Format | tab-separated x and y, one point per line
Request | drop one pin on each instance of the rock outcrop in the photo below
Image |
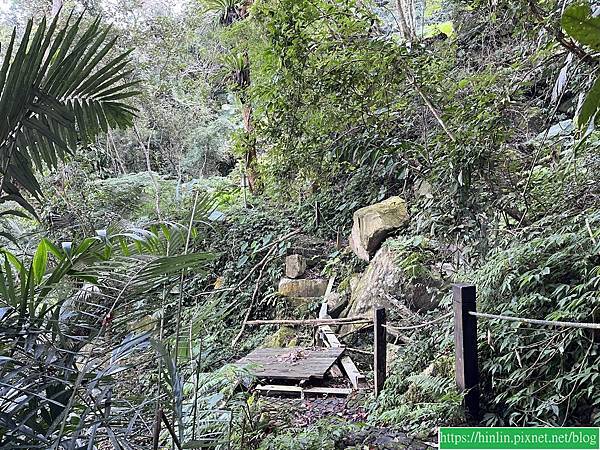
335	303
381	281
384	283
284	337
373	224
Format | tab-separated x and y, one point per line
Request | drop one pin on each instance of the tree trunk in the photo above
406	18
243	84
251	157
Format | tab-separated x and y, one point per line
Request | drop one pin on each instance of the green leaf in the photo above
578	22
40	261
57	89
590	105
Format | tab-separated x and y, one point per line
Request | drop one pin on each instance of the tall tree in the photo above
406	18
232	11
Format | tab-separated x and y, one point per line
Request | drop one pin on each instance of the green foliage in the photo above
78	204
468	125
578	20
420	393
321	80
537	375
412	255
228	10
580	23
324	434
61	304
339	196
59	90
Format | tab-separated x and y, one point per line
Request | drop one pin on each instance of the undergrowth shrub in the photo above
349	190
530	375
420	392
326	434
535	375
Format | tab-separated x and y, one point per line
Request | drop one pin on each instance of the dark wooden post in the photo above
465	344
379	366
156	430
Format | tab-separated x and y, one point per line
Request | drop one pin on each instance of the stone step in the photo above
289	287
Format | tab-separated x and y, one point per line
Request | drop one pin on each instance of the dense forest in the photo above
176	173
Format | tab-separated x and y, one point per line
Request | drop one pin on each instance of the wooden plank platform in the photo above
302	392
292	363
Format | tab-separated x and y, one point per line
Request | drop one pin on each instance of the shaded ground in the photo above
302	413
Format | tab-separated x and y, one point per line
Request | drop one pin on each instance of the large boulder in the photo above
284	337
335	303
384	283
377	285
373	224
302	288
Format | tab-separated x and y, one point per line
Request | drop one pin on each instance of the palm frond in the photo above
59	88
68	319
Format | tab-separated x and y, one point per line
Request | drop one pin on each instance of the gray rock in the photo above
303	302
380	282
354	280
335	303
302	288
295	266
373	224
284	337
384	283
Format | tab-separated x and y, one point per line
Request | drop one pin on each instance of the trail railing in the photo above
465	340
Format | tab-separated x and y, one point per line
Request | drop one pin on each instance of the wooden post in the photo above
380	348
465	344
156	430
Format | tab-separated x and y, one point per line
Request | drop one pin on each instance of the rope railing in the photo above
548	323
421	325
464	300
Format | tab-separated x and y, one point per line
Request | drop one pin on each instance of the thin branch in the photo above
312	322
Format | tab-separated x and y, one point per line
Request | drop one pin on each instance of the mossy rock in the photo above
284	337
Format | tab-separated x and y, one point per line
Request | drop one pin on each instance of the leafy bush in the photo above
534	375
326	434
60	312
420	392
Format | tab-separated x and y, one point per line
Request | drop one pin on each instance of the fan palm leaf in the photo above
59	88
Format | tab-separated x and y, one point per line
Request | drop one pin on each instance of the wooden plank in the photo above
356	378
323	313
294	363
312	322
330	285
276	388
329	337
352	372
